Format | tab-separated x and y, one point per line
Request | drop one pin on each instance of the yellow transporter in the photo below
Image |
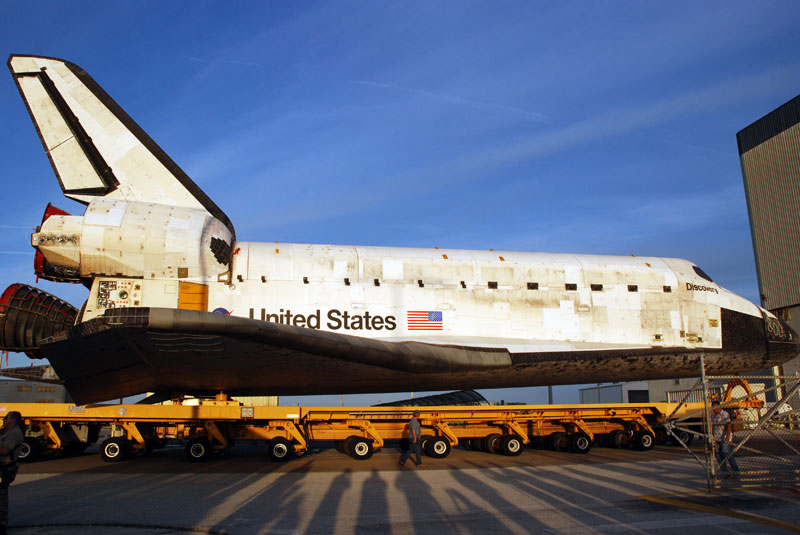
213	426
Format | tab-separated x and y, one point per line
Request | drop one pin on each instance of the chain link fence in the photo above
748	429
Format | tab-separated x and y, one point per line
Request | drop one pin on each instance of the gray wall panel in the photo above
771	171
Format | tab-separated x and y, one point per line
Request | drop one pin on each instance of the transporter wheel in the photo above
438	447
619	439
465	443
198	449
685	436
423	443
511	445
661	436
280	449
359	448
115	449
580	443
644	440
558	441
29	450
491	443
535	443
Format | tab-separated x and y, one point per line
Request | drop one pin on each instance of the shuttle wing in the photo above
95	148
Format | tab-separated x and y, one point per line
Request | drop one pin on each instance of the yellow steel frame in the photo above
222	420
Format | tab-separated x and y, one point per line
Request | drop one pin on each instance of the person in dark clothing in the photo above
11	438
723	448
414	441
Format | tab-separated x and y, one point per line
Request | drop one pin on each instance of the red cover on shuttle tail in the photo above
51	211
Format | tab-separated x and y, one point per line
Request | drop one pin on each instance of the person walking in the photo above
723	449
414	441
10	440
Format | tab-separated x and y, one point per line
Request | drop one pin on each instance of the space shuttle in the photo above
177	305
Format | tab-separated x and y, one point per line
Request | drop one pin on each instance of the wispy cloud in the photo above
627	119
454	99
222	61
483	164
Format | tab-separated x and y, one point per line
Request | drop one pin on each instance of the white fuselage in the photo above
521	301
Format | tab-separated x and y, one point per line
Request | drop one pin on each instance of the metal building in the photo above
630	392
769	150
13	391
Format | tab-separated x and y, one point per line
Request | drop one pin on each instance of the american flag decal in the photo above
424	320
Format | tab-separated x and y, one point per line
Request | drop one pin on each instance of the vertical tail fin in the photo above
95	148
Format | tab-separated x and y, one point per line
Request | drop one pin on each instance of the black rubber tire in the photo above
558	441
465	443
438	447
424	443
619	439
685	436
535	443
491	443
359	448
198	449
115	449
29	450
580	443
644	440
511	445
661	436
280	449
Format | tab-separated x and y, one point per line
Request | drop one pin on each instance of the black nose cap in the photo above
783	340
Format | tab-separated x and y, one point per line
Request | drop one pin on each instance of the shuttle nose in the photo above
784	344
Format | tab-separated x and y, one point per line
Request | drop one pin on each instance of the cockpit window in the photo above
702	273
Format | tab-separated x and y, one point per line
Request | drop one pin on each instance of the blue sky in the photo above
585	127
